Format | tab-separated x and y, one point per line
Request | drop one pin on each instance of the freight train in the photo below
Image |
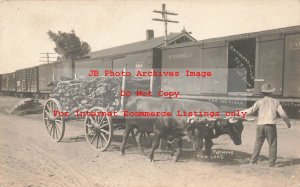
239	64
33	81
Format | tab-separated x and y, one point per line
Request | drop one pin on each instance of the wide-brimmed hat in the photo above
267	88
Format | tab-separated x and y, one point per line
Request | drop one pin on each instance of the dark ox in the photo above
163	127
210	128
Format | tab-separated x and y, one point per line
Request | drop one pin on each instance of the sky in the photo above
104	24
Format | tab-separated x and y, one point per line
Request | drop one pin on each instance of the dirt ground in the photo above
28	157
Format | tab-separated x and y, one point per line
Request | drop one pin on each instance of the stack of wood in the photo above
81	94
27	106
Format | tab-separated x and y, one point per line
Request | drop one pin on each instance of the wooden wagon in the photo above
98	129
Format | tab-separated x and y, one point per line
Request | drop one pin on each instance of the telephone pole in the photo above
164	19
47	58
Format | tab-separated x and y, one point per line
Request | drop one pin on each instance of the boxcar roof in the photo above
285	30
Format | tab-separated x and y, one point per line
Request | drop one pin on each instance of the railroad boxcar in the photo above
8	84
27	82
4	85
83	66
21	85
240	64
12	83
64	69
144	61
46	76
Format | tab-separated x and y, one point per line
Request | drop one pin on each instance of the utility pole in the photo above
164	14
47	58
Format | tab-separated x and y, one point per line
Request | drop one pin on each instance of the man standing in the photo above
266	123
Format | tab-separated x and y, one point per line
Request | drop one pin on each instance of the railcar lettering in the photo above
295	44
180	56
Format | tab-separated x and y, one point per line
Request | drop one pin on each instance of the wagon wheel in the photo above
55	124
98	129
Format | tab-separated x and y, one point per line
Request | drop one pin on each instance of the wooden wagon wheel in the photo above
55	124
98	129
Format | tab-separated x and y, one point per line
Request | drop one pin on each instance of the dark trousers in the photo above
270	133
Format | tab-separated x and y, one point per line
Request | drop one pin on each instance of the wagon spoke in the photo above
90	126
101	120
59	126
58	130
97	119
48	114
52	106
50	132
106	132
48	124
104	125
53	131
93	138
98	137
49	107
100	140
92	121
103	136
58	121
90	133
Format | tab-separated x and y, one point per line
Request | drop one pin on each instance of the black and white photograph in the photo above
143	93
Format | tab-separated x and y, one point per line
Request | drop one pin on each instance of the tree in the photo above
68	45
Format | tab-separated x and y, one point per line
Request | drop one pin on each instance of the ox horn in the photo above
193	119
212	119
233	120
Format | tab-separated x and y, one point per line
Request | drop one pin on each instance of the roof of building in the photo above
139	46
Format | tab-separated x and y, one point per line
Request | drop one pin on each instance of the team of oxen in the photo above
174	128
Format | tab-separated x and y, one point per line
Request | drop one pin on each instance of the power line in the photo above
164	19
47	57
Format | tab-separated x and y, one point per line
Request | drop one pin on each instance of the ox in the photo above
215	127
164	127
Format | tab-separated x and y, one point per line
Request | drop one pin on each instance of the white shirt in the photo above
267	108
